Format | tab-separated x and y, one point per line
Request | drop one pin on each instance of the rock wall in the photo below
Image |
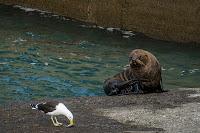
172	20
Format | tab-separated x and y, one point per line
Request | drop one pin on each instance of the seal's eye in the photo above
144	59
140	58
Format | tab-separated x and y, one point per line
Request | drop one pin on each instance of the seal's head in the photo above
138	58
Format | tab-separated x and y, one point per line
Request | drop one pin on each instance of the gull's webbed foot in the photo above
59	124
56	124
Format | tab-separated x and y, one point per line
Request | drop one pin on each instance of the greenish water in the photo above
42	56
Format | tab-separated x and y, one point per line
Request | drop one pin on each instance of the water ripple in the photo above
44	57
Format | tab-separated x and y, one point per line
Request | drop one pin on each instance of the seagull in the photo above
54	109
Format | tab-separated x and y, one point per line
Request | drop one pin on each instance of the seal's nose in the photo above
132	58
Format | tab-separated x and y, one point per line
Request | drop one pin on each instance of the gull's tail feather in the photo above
33	106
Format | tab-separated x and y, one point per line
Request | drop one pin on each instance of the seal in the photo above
143	75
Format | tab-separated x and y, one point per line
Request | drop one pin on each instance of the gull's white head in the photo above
62	109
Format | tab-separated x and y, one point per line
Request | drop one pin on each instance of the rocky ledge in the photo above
171	112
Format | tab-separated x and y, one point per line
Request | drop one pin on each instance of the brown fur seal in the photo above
142	76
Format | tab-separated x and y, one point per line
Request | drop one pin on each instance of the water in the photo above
43	56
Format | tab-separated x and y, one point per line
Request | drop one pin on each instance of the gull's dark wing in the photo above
47	107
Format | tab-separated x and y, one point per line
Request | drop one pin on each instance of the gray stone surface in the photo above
171	112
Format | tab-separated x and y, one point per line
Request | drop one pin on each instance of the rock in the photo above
173	111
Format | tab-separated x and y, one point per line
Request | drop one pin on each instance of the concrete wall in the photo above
173	20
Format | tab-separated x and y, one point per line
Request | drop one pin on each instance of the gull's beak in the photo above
71	123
